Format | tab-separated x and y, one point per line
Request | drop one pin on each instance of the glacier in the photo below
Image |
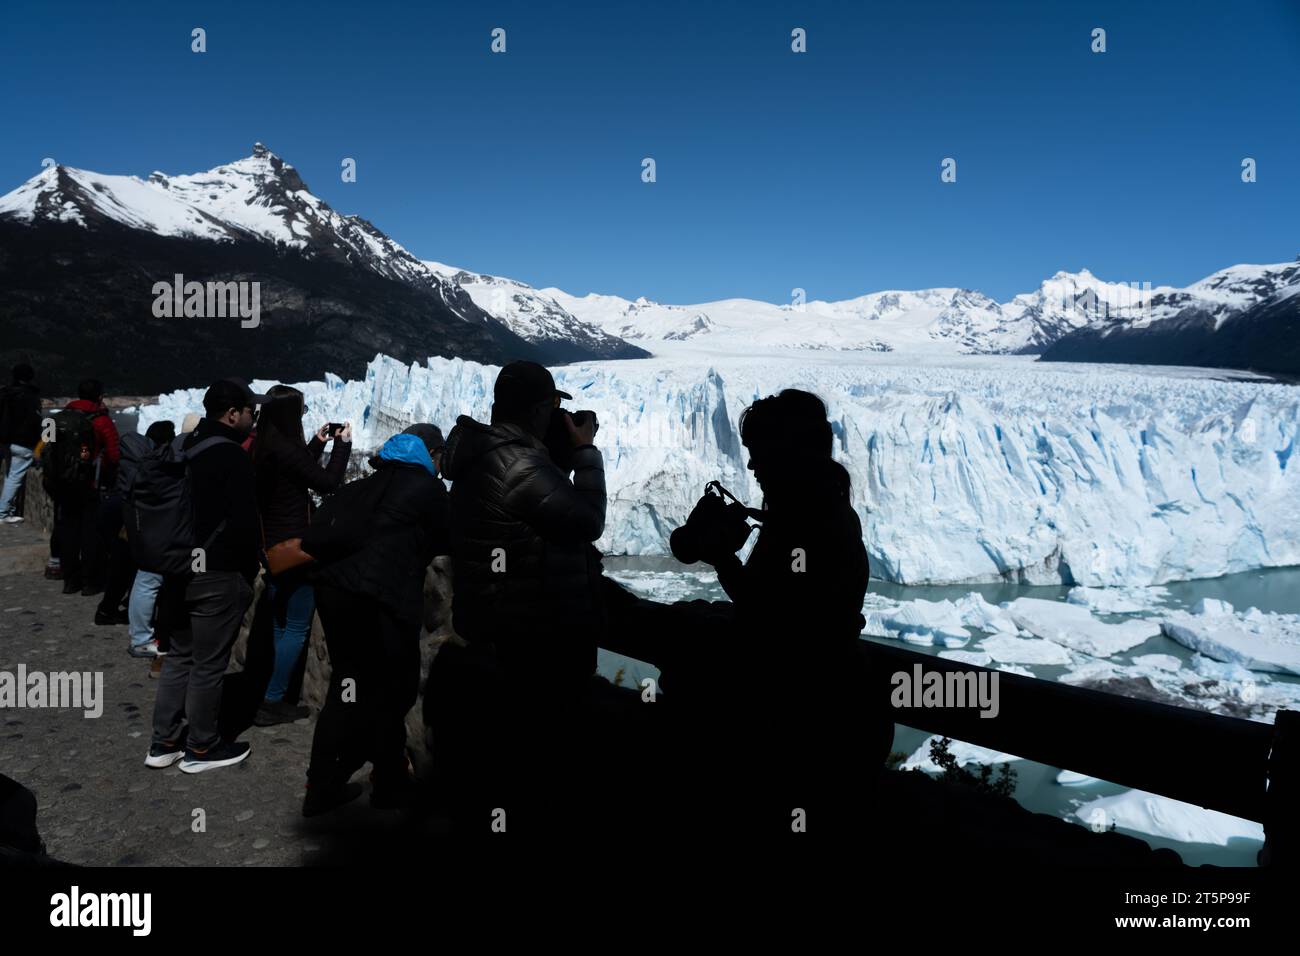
973	470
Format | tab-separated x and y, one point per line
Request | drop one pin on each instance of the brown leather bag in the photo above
285	556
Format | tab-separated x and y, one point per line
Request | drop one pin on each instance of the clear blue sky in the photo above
775	170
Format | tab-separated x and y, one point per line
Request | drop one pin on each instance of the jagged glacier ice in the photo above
974	470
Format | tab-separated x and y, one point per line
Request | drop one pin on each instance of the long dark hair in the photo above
280	419
792	434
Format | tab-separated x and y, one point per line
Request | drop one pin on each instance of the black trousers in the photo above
76	525
207	609
120	564
374	682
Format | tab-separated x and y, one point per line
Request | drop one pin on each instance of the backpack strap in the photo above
204	444
194	451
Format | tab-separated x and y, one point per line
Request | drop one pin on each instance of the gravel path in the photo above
100	805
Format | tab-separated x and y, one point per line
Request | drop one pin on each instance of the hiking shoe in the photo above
110	618
223	754
271	713
12	519
71	587
155	666
164	754
322	799
53	570
90	590
147	649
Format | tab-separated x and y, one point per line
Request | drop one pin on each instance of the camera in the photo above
333	428
717	526
557	439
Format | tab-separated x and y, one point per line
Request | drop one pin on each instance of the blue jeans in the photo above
293	606
139	607
20	460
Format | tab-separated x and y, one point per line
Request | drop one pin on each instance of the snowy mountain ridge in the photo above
929	321
261	197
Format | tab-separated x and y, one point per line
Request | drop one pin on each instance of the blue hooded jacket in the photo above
410	450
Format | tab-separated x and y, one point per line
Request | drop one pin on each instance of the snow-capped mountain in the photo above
1066	310
80	252
534	315
263	198
1233	318
259	197
1245	316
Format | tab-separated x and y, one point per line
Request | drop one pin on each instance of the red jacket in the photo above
105	438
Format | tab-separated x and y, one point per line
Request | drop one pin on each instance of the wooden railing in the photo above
1240	767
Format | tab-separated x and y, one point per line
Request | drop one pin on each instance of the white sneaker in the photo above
12	519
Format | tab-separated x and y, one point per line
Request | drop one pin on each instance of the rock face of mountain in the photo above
81	252
78	303
1243	317
536	316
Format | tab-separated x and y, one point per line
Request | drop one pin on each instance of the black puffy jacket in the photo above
507	494
20	414
407	527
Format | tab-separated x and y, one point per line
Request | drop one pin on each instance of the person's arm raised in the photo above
303	465
560	510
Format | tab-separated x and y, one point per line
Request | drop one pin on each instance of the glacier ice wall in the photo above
985	471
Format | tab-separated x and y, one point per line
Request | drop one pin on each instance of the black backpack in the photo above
344	522
158	505
69	458
135	449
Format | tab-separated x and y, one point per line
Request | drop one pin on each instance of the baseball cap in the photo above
521	384
431	435
230	393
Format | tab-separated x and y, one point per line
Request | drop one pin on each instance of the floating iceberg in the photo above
1255	640
1069	778
972	658
1118	600
1142	812
940	623
1014	650
1073	626
920	622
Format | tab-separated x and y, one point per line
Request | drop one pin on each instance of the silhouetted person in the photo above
288	469
77	465
374	540
143	600
20	432
521	567
769	695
